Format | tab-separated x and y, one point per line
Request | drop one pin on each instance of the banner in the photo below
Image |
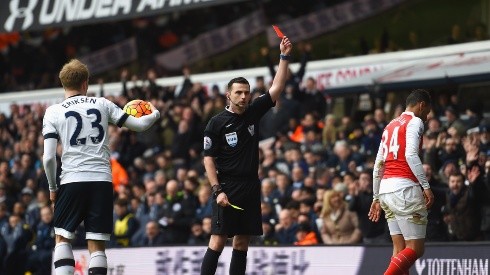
24	15
111	57
213	42
444	259
439	259
182	260
329	19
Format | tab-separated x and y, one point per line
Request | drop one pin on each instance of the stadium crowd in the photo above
315	168
30	60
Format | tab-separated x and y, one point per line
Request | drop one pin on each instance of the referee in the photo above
231	160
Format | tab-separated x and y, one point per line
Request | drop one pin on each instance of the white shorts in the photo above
405	212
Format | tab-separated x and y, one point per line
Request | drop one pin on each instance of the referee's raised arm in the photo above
280	78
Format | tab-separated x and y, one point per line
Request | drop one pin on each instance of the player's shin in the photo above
64	262
401	263
98	263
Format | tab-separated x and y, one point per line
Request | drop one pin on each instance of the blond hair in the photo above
73	74
327	208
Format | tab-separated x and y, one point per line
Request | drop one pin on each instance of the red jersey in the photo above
394	142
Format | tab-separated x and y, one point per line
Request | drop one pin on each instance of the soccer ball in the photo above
137	108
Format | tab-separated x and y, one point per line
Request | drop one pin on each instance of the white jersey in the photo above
80	124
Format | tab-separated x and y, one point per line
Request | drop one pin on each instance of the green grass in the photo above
432	20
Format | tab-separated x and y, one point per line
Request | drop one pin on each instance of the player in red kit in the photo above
400	187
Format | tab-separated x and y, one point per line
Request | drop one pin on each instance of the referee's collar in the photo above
230	110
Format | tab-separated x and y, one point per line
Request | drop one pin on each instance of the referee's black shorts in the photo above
230	221
90	202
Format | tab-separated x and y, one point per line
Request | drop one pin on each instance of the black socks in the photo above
238	262
210	262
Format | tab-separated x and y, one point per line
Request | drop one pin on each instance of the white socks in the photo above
63	259
98	263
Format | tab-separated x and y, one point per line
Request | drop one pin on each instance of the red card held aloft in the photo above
278	31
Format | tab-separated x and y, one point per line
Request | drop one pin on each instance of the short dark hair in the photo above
240	80
457	174
121	202
418	95
304	227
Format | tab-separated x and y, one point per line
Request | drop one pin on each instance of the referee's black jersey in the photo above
232	139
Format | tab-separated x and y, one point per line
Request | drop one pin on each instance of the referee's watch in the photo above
284	57
216	190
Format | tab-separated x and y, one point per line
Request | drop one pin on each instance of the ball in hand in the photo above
137	108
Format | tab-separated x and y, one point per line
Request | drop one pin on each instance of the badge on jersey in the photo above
232	139
207	143
251	129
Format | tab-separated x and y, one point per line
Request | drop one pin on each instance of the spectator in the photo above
342	156
268	236
5	199
4	215
305	235
206	225
277	118
287	228
153	235
125	225
360	203
176	216
198	236
461	211
340	226
3	253
329	131
456	36
451	151
436	228
204	207
453	120
284	189
17	235
41	254
24	170
312	99
260	87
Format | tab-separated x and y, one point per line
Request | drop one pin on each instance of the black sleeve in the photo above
261	105
125	89
302	68
353	203
268	61
133	226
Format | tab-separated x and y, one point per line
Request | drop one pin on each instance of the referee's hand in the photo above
222	200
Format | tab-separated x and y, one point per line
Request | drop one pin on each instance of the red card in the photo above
278	31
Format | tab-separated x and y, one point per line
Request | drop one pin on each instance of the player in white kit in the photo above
85	194
400	186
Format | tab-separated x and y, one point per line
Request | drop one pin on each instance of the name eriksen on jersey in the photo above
79	100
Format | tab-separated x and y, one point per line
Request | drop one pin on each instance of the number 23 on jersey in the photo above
75	140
